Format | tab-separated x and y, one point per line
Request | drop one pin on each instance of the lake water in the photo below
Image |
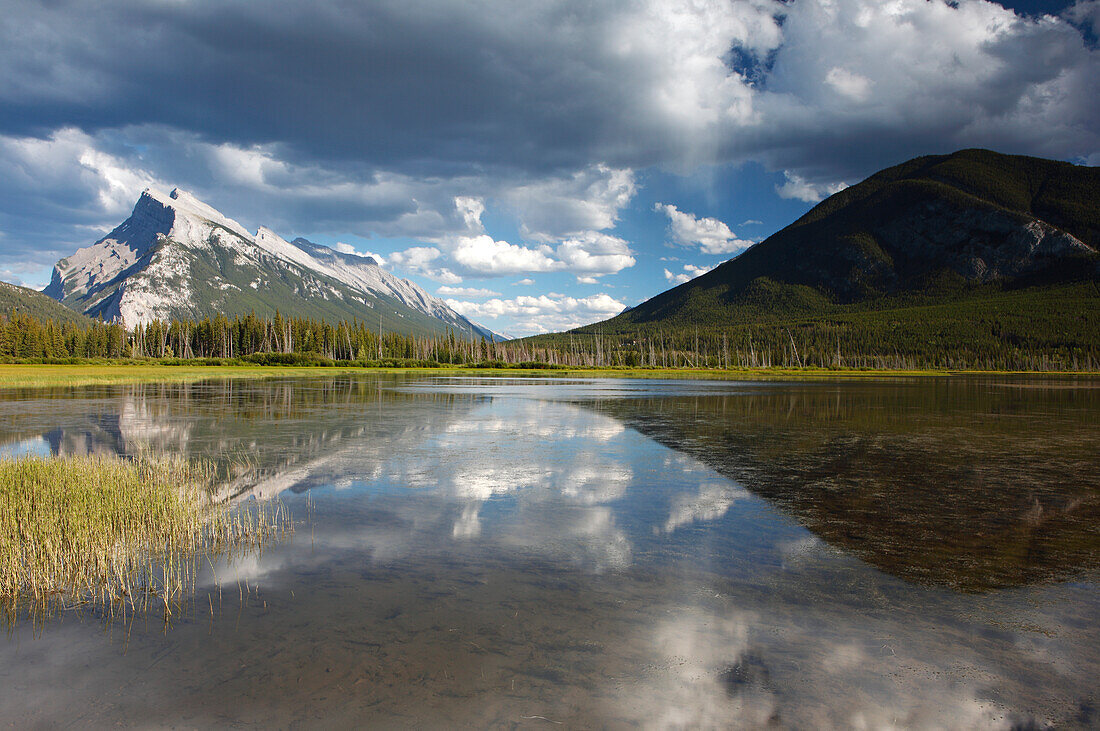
601	553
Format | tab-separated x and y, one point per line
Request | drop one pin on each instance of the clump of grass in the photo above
115	530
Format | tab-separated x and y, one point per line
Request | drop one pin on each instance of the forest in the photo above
954	336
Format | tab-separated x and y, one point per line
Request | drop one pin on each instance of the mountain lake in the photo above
543	552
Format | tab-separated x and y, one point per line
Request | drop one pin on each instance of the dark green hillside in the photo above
1059	193
20	300
1053	327
938	226
969	260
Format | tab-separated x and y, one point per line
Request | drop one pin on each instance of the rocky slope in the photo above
177	257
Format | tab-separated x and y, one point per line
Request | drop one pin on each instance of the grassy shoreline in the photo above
35	375
112	530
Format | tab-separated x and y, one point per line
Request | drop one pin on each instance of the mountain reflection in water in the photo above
955	482
509	552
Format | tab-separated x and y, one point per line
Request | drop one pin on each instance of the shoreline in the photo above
23	375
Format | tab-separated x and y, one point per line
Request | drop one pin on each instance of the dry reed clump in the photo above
115	530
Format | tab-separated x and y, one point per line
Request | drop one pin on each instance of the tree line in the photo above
862	343
278	339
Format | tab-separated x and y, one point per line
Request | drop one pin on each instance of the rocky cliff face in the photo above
176	256
982	245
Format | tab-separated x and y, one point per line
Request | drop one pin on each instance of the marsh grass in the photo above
124	534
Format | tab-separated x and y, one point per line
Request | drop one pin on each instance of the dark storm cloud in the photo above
440	88
372	117
427	87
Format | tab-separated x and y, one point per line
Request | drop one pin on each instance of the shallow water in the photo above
527	552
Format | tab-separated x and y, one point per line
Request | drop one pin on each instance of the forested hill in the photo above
20	300
935	229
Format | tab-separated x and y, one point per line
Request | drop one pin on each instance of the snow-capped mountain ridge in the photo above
176	256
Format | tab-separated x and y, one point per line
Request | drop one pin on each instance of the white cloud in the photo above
486	256
710	235
421	260
550	312
960	75
251	167
471	209
851	85
446	291
556	128
257	186
751	222
344	248
554	208
70	159
798	188
594	254
58	193
526	281
690	272
588	254
416	258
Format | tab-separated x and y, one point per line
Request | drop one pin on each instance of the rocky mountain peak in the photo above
176	256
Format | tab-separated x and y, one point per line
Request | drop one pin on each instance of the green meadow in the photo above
35	375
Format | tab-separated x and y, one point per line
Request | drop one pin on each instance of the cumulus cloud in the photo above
60	192
710	235
423	260
72	190
690	272
555	127
545	313
487	256
588	254
798	188
67	189
848	84
623	84
471	210
594	254
620	85
960	75
589	199
447	291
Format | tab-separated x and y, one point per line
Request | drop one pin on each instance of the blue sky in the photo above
540	165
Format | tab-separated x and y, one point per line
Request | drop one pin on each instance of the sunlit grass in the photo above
34	376
114	531
42	376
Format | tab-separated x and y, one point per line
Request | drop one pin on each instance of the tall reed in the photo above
121	531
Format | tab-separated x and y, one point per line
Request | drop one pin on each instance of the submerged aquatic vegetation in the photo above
115	531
